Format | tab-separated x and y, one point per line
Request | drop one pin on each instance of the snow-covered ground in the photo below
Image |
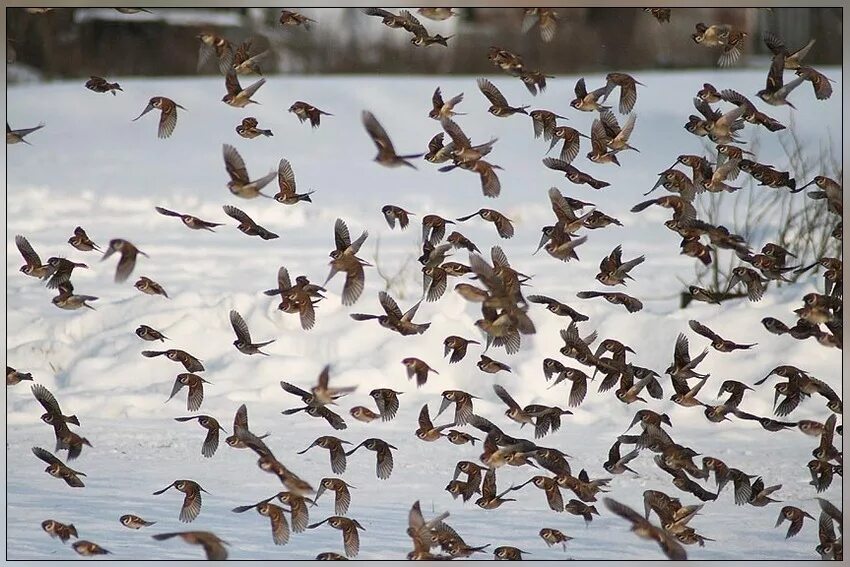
91	166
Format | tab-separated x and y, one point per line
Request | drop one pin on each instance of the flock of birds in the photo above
505	314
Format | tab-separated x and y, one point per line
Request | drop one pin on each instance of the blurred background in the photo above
70	42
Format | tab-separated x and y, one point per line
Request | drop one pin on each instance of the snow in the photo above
91	166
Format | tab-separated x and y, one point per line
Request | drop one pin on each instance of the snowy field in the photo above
91	166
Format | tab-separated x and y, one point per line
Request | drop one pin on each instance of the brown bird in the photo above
280	527
240	184
386	152
305	111
384	465
247	225
237	96
721	35
188	361
717	342
463	405
427	431
547	20
508	553
248	129
246	63
294	19
456	347
579	508
101	85
17	136
58	469
196	390
286	181
213	545
553	537
342	495
57	529
394	319
589	101
241	430
243	336
444	109
363	414
350	535
490	499
127	262
61	270
612	269
387	402
795	517
212	44
615	298
498	103
334	447
628	90
134	522
644	529
149	287
191	501
503	224
572	142
392	213
33	266
88	549
212	426
490	366
574	175
168	114
14	377
81	241
419	369
65	438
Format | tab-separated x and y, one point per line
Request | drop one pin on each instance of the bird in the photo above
631	304
54	529
455	347
489	499
394	319
61	270
189	362
437	14
190	221
508	553
212	545
127	261
14	377
344	259
612	269
721	35
191	501
387	402
249	129
386	151
150	334
243	337
335	449
247	225
88	549
491	366
244	63
279	525
383	454
573	174
17	136
504	225
196	390
101	85
717	342
393	213
32	262
444	109
240	183
237	96
212	426
134	522
646	530
82	242
499	106
628	90
427	431
589	101
418	368
294	19
342	494
617	464
168	115
58	469
350	535
553	536
305	111
214	45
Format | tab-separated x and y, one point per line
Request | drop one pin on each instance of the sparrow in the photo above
88	549
434	228
330	556
508	553
499	106
463	405
247	225
294	19
243	337
588	101
168	114
490	366
191	501
196	389
65	438
32	262
572	142
717	342
213	545
444	109
134	522
751	279
544	123
57	529
237	96
241	431
58	469
750	114
534	81
611	134
348	527
387	402
503	224
14	377
246	64
547	20
240	184
776	91
392	213
456	347
334	420
721	35
384	466
280	527
101	85
793	60
795	517
573	174
490	500
189	362
615	298
386	152
17	136
212	44
579	508
363	414
335	450
212	426
683	366
682	209
149	287
735	390
612	269
419	369
437	14
394	319
644	529
553	537
617	464
248	129
427	431
305	111
70	301
127	262
82	242
460	438
61	270
761	494
628	90
342	495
